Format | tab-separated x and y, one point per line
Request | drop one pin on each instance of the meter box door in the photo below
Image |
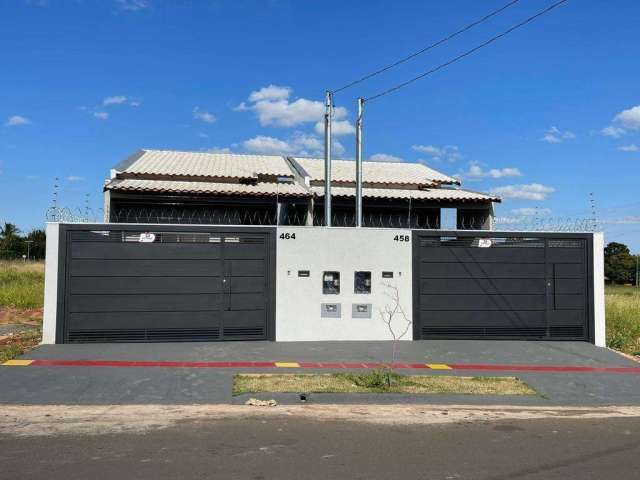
331	283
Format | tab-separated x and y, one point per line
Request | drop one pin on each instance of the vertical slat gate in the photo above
502	286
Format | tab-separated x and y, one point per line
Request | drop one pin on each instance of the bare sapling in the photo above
396	320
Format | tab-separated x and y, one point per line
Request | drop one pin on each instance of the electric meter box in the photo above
361	310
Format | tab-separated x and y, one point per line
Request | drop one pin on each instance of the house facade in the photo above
172	187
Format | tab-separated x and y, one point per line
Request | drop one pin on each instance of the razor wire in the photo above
74	215
414	219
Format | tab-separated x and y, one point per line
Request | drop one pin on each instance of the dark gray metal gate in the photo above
502	285
146	283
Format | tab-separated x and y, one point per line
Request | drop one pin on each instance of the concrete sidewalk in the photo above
140	385
423	351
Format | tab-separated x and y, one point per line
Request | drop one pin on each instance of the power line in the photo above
467	53
426	49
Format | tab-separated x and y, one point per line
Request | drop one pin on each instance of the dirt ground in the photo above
97	420
30	316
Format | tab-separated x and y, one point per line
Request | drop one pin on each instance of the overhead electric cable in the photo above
467	53
426	49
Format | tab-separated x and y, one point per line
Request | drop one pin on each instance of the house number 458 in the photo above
401	238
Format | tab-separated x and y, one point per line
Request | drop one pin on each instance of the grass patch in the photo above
623	318
19	343
21	284
371	383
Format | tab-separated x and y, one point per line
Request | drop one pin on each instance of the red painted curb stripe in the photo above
335	366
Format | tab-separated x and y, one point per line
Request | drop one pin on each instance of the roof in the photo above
199	173
438	194
202	165
389	173
180	187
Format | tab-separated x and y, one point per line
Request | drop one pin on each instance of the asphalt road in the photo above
295	448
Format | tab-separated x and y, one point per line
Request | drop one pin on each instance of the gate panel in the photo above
176	285
501	286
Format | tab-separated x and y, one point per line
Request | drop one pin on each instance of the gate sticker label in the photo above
484	242
147	237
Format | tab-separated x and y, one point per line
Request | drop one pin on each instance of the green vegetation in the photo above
376	382
619	265
13	245
19	343
623	318
21	284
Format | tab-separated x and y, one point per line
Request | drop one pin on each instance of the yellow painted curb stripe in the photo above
288	364
438	366
18	363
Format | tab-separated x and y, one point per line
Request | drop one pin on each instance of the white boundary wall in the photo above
346	250
51	284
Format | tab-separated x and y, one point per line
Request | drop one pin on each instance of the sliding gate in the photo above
502	285
146	283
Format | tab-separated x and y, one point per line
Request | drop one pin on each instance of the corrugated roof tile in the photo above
208	165
437	194
172	186
393	173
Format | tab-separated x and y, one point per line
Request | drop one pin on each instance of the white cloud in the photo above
203	135
267	145
114	100
532	191
385	157
555	135
476	171
504	172
288	114
133	5
74	178
270	93
628	220
218	150
203	115
530	212
297	144
101	115
336	148
273	106
450	153
308	142
612	131
16	121
629	148
338	127
629	118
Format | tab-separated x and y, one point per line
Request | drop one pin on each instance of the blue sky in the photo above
543	117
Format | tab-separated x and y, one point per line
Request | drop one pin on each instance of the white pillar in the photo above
51	284
599	317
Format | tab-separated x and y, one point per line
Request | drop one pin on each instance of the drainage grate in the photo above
145	335
484	331
243	332
571	331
